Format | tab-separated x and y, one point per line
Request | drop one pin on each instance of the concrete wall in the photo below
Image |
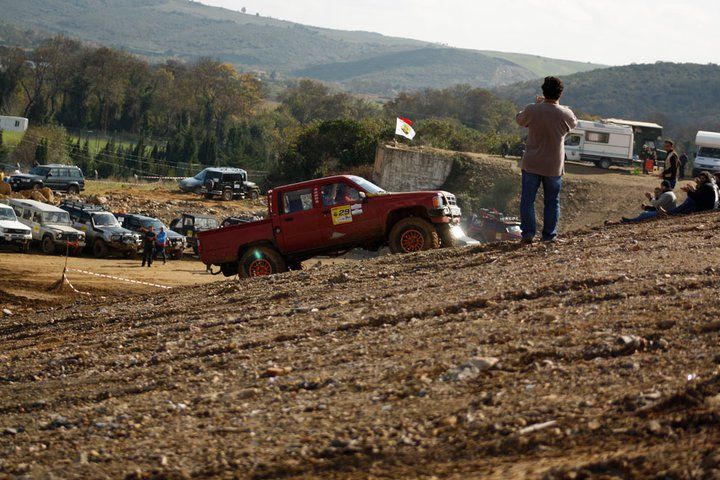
403	169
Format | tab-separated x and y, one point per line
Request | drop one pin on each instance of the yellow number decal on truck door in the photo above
341	215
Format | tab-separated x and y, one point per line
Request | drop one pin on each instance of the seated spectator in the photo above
664	200
701	196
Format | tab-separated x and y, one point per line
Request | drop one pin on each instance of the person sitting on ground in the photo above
664	200
701	196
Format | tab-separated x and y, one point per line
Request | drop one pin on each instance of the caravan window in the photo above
597	137
709	152
17	123
572	140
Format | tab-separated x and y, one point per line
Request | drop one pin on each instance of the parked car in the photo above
330	216
190	224
104	234
196	183
229	185
12	232
230	221
492	226
175	246
51	226
61	178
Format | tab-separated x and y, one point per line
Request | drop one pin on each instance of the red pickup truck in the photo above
329	216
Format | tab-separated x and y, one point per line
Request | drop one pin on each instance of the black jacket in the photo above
705	197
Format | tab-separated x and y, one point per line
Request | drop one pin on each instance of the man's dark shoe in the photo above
626	220
527	240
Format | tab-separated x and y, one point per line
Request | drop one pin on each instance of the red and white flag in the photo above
404	128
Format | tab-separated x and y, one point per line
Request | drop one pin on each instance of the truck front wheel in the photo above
260	262
413	234
100	249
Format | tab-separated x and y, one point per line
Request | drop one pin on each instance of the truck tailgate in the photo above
223	244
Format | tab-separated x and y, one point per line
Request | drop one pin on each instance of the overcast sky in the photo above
613	32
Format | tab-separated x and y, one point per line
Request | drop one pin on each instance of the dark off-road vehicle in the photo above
493	226
103	233
60	178
229	184
175	245
190	224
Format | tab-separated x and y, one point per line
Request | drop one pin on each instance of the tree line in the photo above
206	113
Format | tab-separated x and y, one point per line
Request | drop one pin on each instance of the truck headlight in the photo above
437	200
58	235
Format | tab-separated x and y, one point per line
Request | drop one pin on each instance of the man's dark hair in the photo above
666	184
552	88
670	142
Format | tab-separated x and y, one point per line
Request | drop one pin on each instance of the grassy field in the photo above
11	139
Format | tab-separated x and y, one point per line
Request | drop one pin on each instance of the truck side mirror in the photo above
363	196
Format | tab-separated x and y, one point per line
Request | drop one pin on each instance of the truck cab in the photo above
330	216
707	156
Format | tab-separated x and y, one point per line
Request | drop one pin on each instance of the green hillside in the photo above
682	97
180	29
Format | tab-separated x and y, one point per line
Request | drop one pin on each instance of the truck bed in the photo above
223	244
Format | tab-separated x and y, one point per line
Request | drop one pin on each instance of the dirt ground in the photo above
593	358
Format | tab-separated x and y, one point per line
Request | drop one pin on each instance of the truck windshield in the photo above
201	175
205	222
40	171
56	218
369	187
156	224
709	152
105	220
7	214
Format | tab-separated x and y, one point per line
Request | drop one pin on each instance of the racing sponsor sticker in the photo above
341	215
356	209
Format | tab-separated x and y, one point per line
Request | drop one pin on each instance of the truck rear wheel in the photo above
227	194
413	234
260	262
254	194
605	163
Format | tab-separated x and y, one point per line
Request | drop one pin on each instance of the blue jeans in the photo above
688	206
643	216
551	190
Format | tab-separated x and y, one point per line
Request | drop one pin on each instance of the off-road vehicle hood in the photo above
62	228
28	176
115	231
14	225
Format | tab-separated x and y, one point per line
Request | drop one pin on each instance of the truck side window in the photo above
572	140
338	194
297	200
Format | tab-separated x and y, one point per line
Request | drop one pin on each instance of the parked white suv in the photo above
13	232
51	226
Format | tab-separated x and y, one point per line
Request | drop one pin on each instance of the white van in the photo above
707	156
600	143
51	226
13	232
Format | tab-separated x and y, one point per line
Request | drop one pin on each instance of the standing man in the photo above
672	164
544	159
683	164
149	239
160	244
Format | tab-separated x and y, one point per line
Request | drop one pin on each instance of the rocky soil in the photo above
593	358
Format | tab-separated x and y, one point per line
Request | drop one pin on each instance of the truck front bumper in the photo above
15	239
445	214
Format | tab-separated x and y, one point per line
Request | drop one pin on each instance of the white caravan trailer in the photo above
13	124
708	152
603	144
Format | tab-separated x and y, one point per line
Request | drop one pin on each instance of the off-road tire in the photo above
604	164
413	234
446	238
227	194
261	261
73	190
48	245
100	249
177	255
254	194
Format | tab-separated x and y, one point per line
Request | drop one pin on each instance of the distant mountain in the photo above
682	97
360	61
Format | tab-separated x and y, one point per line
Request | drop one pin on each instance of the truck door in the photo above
346	218
298	214
573	146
